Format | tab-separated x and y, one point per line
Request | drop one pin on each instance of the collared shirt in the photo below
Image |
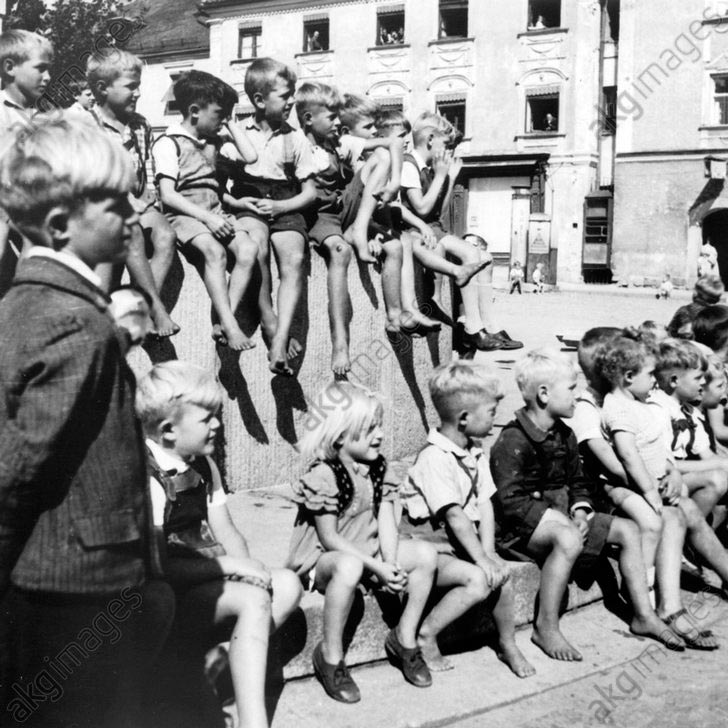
277	150
136	137
335	169
685	430
411	172
166	160
12	118
174	465
444	475
70	261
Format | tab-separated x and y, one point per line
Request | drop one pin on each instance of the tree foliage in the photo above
77	28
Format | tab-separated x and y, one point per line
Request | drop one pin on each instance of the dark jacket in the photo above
73	513
533	470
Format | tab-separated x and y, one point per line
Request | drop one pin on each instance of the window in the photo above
453	109
316	34
721	99
453	19
542	113
170	103
390	25
544	14
608	110
613	18
390	103
249	40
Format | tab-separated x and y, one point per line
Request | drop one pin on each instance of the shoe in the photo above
481	340
409	660
508	343
335	679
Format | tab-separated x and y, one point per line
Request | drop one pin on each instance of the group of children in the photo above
113	511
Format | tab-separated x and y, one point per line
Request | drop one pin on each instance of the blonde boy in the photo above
72	479
114	77
200	550
546	508
446	500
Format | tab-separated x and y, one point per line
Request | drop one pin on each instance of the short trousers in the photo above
273	190
288	222
187	228
423	530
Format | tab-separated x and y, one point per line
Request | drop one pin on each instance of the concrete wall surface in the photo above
265	415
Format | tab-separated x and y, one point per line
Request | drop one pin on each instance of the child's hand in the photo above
496	573
375	245
389	192
247	203
654	499
441	162
428	237
219	226
269	207
582	523
671	487
392	576
232	566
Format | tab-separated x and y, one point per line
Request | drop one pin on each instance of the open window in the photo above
608	110
316	33
542	111
612	8
544	14
249	39
453	19
390	25
720	98
453	108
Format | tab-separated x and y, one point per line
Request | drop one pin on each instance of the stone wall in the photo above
264	415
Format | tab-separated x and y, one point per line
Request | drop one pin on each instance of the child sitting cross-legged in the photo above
447	501
201	551
546	507
639	435
345	533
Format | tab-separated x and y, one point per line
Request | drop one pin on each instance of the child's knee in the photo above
650	525
213	252
673	519
347	569
476	584
339	251
287	588
165	237
393	249
718	482
569	541
424	556
245	249
624	533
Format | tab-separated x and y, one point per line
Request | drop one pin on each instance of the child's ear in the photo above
629	377
258	100
194	110
345	130
463	418
672	381
307	118
429	140
8	67
166	433
55	225
542	394
100	88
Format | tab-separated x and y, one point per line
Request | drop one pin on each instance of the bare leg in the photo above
419	560
504	614
141	275
669	553
706	488
649	524
164	240
561	540
287	593
471	306
245	250
289	250
337	254
391	283
412	314
703	539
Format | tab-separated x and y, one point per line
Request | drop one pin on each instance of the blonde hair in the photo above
316	94
108	65
452	385
17	45
356	107
346	409
430	123
60	160
541	366
167	387
715	368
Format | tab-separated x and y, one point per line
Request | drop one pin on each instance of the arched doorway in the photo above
715	232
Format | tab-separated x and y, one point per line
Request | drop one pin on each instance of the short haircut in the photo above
17	45
682	317
454	385
541	366
676	355
710	327
262	74
167	387
203	89
429	123
392	117
590	343
715	368
625	353
310	95
355	108
60	160
108	65
347	409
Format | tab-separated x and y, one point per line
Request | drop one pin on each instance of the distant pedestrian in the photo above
516	277
665	289
538	277
707	261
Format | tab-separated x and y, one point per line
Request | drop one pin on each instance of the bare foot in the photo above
554	644
294	348
360	242
654	627
278	359
510	655
393	325
340	363
467	270
235	338
164	326
417	320
435	660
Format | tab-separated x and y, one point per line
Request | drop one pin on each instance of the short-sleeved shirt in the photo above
335	169
12	118
684	425
277	150
411	171
444	475
167	161
646	422
317	493
176	466
137	138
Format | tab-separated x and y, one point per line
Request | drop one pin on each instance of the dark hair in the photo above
618	356
710	327
198	87
674	354
391	117
77	86
262	74
684	315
